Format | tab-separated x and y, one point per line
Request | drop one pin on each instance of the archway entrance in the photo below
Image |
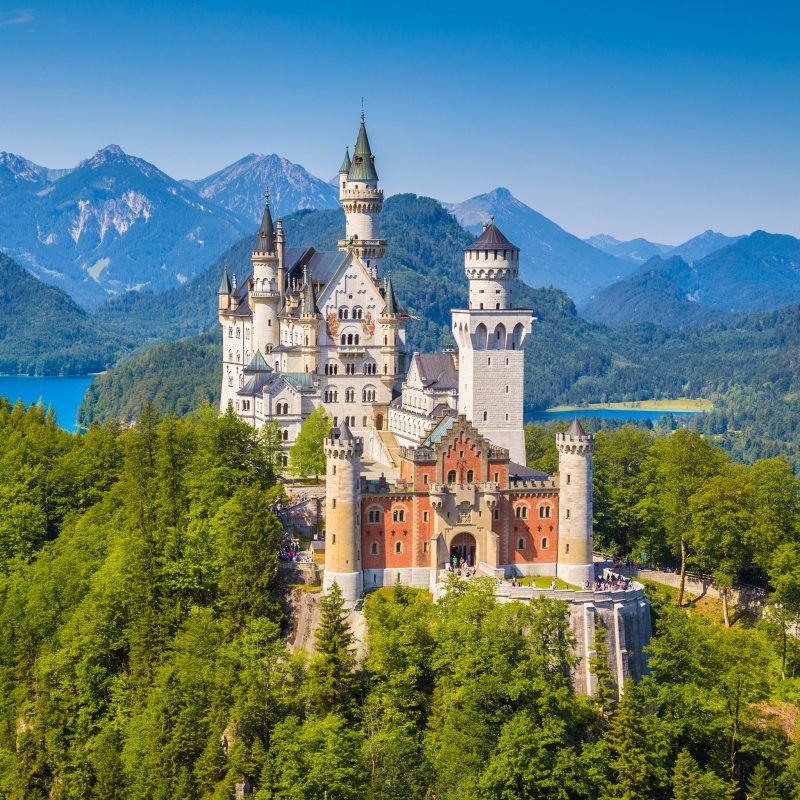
379	422
464	547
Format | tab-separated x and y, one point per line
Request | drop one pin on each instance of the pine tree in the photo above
331	676
690	782
605	691
762	785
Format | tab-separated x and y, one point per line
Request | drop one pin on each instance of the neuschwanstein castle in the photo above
426	460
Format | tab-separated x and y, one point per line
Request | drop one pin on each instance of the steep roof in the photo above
347	163
363	166
576	429
225	283
388	295
492	239
437	370
343	433
265	240
308	303
257	364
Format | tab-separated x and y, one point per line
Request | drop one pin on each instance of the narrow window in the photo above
398	547
470	476
424	516
568	477
520	544
374	548
544	543
566	548
497	513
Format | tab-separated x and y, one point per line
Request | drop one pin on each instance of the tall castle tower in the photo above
265	292
362	201
575	450
491	336
343	513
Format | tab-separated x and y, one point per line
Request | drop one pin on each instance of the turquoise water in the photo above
63	393
605	413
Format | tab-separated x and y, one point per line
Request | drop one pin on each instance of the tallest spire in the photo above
363	168
265	241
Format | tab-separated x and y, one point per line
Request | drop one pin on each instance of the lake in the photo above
63	393
606	413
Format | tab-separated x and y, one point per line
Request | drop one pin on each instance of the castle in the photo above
426	459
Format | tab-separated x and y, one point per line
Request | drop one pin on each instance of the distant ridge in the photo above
755	273
550	256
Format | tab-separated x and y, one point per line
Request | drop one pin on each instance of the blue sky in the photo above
655	119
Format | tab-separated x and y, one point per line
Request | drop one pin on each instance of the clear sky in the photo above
655	119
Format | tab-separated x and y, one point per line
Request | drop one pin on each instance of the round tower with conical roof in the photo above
362	201
343	452
575	452
264	291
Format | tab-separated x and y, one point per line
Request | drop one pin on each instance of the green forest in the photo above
143	623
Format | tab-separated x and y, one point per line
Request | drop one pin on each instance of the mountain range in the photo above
755	273
240	187
641	250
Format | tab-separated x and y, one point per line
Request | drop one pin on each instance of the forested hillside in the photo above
44	332
142	652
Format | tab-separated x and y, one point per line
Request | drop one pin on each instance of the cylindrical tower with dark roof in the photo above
343	513
575	451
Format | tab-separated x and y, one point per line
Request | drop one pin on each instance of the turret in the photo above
225	292
491	263
575	451
310	319
343	513
280	244
391	320
362	201
264	293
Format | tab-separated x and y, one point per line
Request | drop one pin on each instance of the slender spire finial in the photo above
362	107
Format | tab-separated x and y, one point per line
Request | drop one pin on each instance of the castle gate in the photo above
464	546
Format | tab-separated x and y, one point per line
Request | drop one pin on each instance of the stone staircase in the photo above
391	446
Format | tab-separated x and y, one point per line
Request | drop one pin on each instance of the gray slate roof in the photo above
437	370
492	239
576	429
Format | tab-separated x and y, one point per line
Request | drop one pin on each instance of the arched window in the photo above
343	313
238	334
398	547
285	434
399	515
230	333
374	515
520	543
356	339
470	476
451	476
544	543
373	548
344	338
350	396
545	511
521	512
485	415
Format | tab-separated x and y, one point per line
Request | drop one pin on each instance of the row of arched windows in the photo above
350	338
355	313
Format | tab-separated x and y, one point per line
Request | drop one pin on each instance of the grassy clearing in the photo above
676	404
543	582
